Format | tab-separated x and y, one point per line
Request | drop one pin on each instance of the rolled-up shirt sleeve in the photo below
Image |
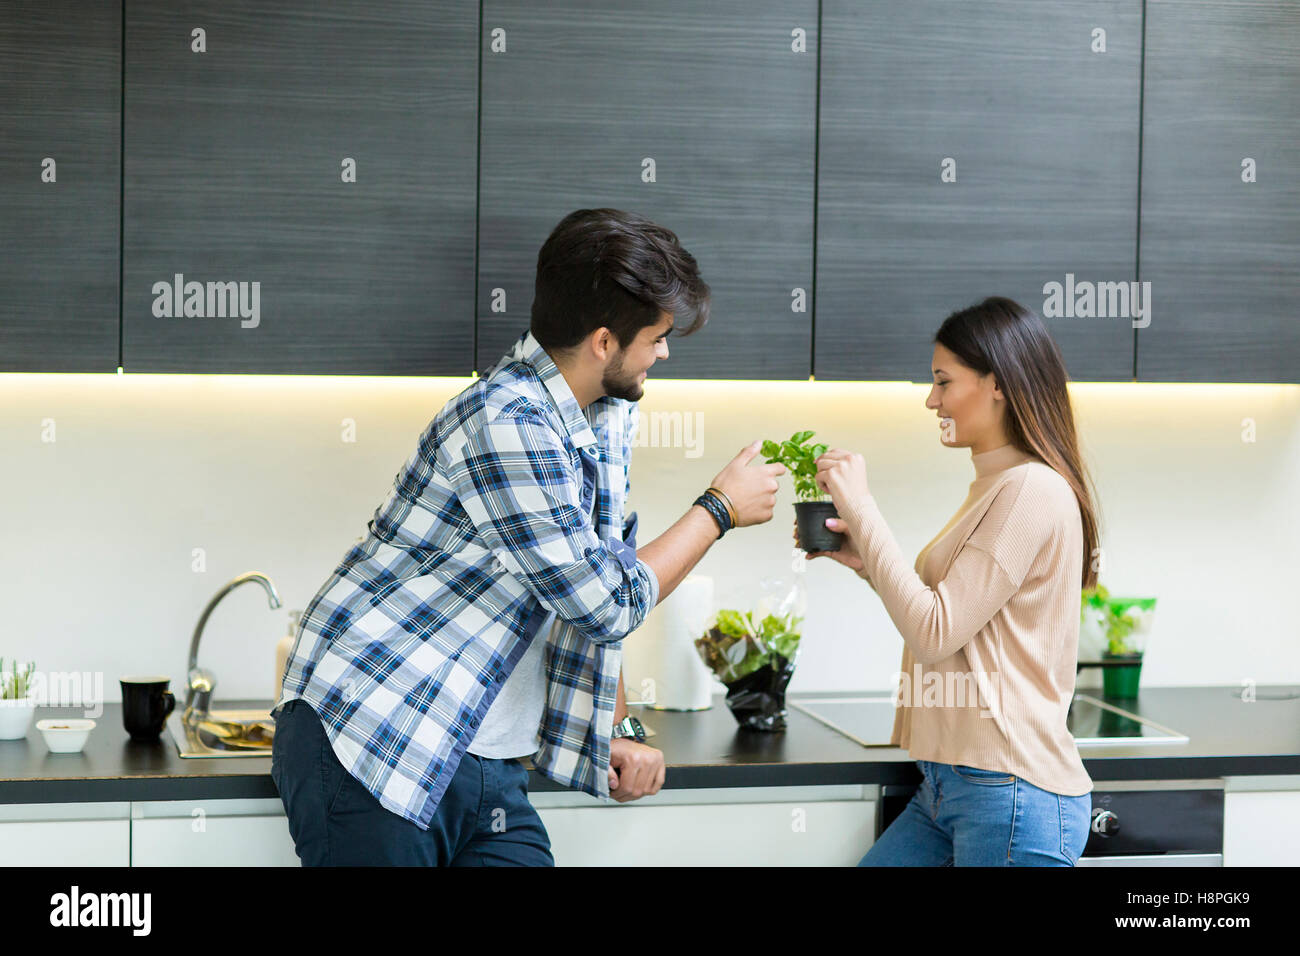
517	484
626	549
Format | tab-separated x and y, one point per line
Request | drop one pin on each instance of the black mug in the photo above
146	703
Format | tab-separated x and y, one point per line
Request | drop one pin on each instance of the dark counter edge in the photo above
884	773
831	759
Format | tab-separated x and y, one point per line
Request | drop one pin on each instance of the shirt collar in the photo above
529	350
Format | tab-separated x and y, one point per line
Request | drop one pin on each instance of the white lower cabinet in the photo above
211	833
781	826
65	834
758	826
1261	826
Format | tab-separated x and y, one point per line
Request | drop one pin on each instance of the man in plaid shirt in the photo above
481	618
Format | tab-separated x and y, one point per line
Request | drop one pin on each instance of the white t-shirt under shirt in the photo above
511	727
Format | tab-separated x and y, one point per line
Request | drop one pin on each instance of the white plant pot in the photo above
16	718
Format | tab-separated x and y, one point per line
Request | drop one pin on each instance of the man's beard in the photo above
614	384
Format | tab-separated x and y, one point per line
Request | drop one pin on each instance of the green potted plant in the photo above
16	703
1125	625
812	506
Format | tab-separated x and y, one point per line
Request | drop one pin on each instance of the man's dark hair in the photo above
606	267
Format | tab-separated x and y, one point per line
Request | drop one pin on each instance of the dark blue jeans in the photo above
483	819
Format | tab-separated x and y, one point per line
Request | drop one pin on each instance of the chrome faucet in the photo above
201	681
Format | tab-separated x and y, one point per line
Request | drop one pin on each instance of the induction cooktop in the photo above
868	719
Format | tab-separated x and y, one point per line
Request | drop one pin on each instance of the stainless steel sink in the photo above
223	733
199	731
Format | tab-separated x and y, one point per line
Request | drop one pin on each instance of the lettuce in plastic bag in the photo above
734	646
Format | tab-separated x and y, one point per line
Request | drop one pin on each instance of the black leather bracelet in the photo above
715	513
716	497
718	510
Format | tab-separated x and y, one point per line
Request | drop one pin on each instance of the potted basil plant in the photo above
812	506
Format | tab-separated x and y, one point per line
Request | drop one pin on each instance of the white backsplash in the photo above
158	489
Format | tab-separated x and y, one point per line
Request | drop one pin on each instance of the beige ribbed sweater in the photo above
989	616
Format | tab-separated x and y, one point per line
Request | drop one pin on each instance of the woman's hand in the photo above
848	553
844	475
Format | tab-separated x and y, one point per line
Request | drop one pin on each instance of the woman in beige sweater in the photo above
989	612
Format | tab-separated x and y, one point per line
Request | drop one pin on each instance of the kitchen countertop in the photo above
701	749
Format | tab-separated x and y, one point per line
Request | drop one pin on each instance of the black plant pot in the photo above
757	700
813	534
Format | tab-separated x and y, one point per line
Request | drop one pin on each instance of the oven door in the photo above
1156	823
1154	859
1134	823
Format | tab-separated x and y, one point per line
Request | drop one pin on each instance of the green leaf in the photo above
734	624
786	645
771	449
806	488
799	438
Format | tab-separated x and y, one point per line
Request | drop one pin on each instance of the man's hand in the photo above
635	770
751	488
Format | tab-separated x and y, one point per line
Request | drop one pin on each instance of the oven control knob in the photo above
1104	823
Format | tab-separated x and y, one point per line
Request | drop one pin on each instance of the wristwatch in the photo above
629	726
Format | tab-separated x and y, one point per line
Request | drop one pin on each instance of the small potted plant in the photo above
812	506
1125	624
16	704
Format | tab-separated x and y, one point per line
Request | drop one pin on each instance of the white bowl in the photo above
15	718
65	735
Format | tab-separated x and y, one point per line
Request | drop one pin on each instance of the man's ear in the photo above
602	343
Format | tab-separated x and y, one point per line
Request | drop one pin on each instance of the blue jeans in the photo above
962	816
483	819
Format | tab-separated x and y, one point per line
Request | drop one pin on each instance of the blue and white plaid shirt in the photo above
510	506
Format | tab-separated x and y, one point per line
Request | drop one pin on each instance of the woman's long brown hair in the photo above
1003	337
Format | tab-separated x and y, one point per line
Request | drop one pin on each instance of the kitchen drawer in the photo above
211	833
1261	829
828	826
65	834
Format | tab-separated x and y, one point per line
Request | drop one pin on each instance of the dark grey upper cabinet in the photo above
1043	134
60	182
577	96
236	208
1222	103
